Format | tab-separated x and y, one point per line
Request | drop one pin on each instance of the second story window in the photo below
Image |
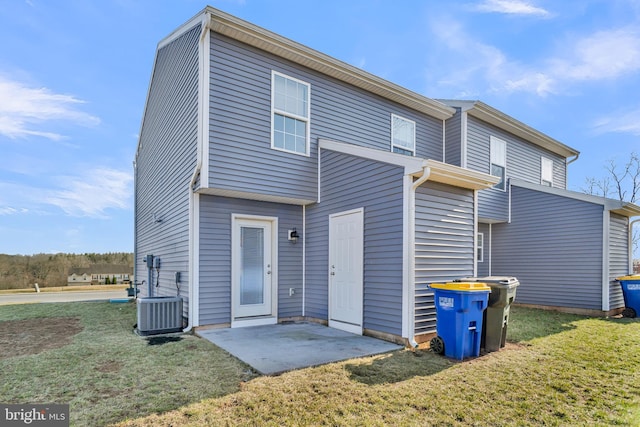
403	135
290	109
546	172
499	161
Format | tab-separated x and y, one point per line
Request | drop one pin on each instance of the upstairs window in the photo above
546	172
499	161
290	107
403	136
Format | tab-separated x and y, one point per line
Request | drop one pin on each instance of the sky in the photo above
74	76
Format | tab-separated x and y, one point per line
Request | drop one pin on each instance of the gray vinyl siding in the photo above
444	242
349	182
483	267
215	255
241	157
523	162
453	139
554	247
618	257
165	162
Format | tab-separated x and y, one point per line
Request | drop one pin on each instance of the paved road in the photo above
67	296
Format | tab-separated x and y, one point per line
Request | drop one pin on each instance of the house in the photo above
98	274
565	247
276	183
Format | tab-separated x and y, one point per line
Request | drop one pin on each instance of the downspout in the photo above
566	169
509	197
630	239
135	226
426	172
193	249
304	257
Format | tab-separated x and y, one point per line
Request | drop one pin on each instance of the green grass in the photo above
558	369
108	373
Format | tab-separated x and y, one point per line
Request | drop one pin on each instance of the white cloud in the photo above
8	210
479	68
93	194
628	122
23	109
602	55
511	7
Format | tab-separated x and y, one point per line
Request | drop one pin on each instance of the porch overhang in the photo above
456	176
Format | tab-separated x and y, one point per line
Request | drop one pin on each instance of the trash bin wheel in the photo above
437	345
629	312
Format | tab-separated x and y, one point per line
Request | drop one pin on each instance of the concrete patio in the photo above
274	349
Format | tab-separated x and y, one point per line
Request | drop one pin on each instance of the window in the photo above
480	247
290	106
403	136
499	161
546	172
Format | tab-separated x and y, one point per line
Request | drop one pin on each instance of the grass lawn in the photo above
558	369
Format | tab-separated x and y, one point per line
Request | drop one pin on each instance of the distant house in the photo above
278	183
97	274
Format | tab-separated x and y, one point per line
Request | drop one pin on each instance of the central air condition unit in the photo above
159	315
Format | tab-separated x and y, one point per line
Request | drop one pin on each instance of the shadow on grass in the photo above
526	324
398	366
162	340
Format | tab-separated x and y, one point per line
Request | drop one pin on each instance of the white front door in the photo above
346	248
253	282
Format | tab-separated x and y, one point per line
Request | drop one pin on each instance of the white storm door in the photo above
253	268
346	247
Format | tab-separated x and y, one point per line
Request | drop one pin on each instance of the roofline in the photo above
501	120
248	33
616	206
439	172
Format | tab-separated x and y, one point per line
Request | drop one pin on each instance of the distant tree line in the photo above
23	271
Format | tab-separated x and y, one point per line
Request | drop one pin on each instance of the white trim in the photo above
490	248
258	321
475	233
464	139
440	172
195	247
548	161
306	120
407	252
255	196
498	159
304	258
274	268
410	164
349	327
204	84
444	142
605	259
412	122
615	206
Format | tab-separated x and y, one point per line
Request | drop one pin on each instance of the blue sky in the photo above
74	76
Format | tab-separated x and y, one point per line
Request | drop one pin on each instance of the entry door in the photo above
253	264
346	243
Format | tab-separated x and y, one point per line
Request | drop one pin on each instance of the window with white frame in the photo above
480	247
498	153
546	172
290	107
403	135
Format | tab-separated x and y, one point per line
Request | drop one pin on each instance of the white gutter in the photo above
426	172
605	259
630	241
194	200
304	257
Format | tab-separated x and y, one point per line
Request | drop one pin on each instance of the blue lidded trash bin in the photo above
631	293
459	310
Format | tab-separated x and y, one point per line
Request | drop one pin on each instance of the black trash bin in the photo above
494	326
